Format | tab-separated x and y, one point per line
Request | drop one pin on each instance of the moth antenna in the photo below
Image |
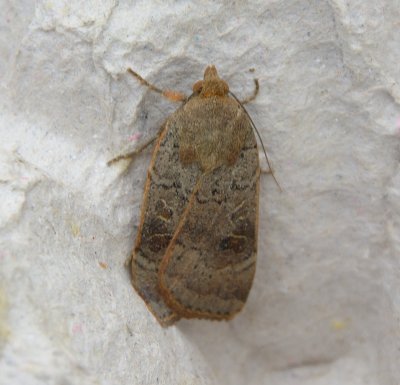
259	137
173	96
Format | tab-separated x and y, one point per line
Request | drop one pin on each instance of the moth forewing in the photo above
164	202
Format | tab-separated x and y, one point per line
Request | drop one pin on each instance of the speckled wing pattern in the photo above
209	265
167	191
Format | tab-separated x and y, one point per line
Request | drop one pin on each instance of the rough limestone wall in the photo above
324	308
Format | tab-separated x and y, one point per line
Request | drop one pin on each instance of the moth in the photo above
196	246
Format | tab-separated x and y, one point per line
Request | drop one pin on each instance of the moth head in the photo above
211	85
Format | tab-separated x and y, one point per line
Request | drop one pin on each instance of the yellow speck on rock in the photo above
339	324
75	229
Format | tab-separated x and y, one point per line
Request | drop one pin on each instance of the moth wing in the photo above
209	265
168	188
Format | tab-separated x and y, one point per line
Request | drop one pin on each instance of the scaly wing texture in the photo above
209	266
168	188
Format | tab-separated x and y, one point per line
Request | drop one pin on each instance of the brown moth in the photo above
195	252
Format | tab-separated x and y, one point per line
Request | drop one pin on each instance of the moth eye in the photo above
198	86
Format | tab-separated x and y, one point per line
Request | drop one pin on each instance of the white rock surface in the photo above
325	304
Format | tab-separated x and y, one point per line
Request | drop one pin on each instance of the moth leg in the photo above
131	154
173	96
254	95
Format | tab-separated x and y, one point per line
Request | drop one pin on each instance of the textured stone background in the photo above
324	308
